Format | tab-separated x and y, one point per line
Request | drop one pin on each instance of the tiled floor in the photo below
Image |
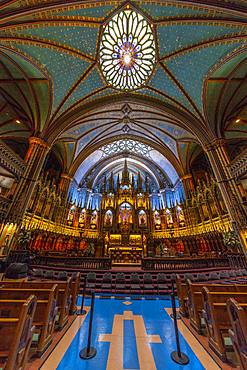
128	334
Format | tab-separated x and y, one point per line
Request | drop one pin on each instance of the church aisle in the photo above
130	334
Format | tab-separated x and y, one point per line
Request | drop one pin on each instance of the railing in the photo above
238	167
171	264
18	257
32	222
10	160
237	261
219	224
85	263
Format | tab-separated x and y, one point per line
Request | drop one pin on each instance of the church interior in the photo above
123	184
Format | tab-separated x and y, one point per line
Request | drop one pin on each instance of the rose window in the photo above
127	50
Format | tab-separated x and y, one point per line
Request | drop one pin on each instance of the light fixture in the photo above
17	121
238	120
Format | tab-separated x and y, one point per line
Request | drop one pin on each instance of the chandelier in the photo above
127	50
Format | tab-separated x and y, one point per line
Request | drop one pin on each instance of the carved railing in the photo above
238	167
219	224
10	160
84	263
20	256
172	264
237	261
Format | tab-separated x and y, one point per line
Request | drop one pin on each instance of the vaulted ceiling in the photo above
51	84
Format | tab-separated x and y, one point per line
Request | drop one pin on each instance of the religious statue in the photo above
125	214
157	220
108	218
71	215
82	218
142	218
94	220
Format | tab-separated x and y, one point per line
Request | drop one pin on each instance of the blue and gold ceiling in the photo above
50	76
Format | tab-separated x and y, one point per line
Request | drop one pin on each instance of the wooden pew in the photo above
74	293
64	294
16	330
45	313
182	296
195	301
238	331
217	319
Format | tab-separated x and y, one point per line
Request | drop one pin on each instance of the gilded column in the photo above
220	162
64	185
188	184
35	158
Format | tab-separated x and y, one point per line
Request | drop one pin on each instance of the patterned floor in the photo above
128	334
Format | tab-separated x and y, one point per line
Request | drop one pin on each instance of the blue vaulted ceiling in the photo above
56	49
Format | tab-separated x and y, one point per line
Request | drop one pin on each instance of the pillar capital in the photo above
186	177
37	147
65	176
38	141
215	144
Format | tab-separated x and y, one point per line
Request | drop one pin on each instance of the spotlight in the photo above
17	121
238	120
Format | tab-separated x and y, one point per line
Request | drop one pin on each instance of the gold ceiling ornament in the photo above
127	50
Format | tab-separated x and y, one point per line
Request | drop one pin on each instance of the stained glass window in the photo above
127	145
127	50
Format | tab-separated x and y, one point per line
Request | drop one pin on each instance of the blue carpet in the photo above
157	322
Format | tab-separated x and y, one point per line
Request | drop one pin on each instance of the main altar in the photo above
125	219
123	215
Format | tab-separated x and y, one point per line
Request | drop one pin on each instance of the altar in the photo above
125	255
133	240
125	248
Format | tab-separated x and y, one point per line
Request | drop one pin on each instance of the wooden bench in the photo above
195	301
76	280
182	296
16	330
217	318
64	294
45	313
238	331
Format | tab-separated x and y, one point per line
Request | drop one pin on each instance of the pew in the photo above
195	301
182	296
64	294
74	292
16	330
217	319
238	331
45	313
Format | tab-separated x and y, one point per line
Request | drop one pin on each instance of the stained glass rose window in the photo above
127	50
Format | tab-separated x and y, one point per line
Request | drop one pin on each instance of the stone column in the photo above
35	159
218	157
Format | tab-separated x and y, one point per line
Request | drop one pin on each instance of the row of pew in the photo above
30	312
218	309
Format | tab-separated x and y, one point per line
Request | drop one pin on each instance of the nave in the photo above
131	334
46	315
123	176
